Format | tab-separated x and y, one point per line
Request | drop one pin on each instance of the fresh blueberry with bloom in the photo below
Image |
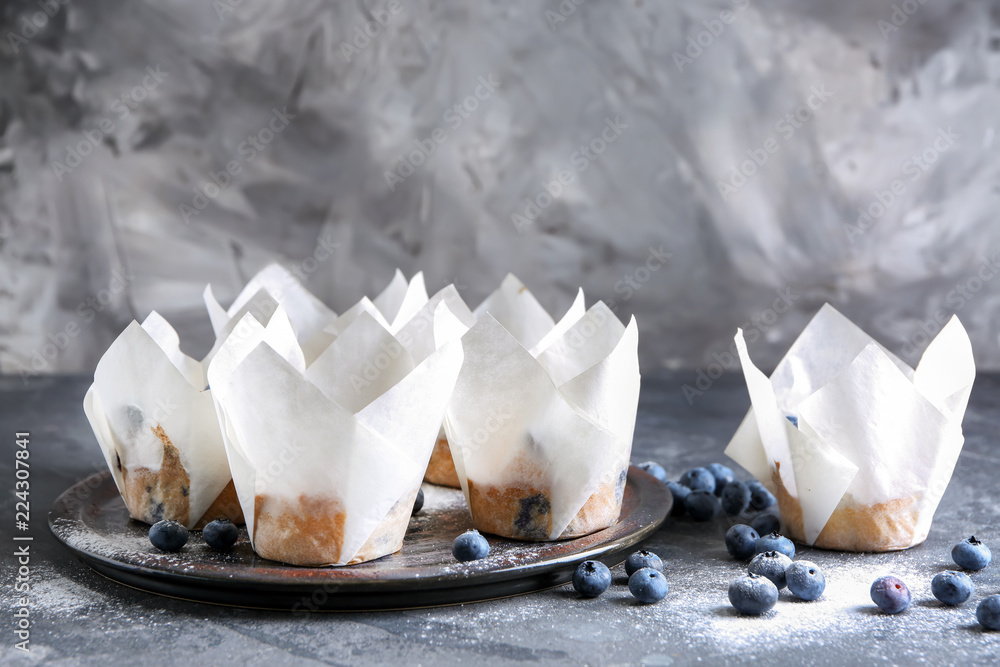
760	497
470	545
805	580
722	475
679	492
702	505
735	497
952	587
741	541
640	559
971	554
168	535
591	578
988	612
776	542
220	534
418	502
699	479
891	594
654	469
753	594
766	523
773	565
648	585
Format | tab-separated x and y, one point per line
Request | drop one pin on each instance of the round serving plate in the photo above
95	525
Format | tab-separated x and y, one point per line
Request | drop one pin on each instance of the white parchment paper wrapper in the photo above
339	447
876	441
149	397
541	421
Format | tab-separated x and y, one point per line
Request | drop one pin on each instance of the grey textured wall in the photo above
115	116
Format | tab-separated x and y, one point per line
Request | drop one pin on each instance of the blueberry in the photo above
952	587
735	497
655	469
648	585
702	505
805	580
776	542
220	534
470	545
640	559
794	420
740	541
891	595
766	523
679	492
168	535
771	564
753	594
971	554
722	475
591	578
699	479
418	502
760	497
988	612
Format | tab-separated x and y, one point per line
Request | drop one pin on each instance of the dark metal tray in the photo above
95	525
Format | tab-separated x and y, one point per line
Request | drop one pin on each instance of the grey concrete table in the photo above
79	617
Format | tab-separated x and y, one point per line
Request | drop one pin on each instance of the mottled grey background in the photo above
198	77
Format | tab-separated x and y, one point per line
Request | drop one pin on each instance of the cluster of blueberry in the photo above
703	493
771	569
892	595
169	535
645	577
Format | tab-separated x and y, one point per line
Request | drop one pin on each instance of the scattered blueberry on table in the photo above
702	505
470	545
735	498
760	497
699	479
680	493
951	587
890	594
805	580
722	475
741	541
654	469
648	585
971	554
775	542
418	502
640	559
220	534
773	565
988	612
766	523
591	578
168	535
753	594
